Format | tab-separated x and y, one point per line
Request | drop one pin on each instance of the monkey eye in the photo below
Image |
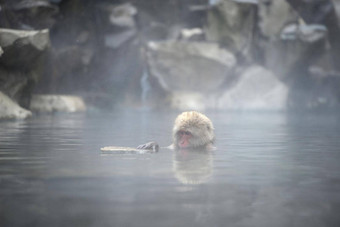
187	133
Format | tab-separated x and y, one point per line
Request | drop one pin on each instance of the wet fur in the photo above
198	125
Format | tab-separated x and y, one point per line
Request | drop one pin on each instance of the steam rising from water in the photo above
145	85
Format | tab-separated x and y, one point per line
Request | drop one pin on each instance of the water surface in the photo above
270	169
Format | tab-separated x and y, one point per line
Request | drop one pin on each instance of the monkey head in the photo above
192	130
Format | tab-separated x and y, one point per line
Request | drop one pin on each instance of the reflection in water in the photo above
192	166
268	170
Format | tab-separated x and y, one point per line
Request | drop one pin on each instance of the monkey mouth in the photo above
183	144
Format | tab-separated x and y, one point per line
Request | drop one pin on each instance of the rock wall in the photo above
21	62
156	54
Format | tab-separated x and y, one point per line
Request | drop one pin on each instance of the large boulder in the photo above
123	15
190	66
299	47
21	62
57	103
21	48
232	24
256	89
11	110
274	15
28	14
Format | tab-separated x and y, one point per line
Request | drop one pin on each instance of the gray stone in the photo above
21	48
11	110
57	103
274	15
123	15
115	40
232	24
21	62
306	33
189	66
13	83
28	14
299	46
256	89
337	8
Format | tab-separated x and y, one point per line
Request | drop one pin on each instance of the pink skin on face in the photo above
184	139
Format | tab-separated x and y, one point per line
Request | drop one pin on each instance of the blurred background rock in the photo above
197	54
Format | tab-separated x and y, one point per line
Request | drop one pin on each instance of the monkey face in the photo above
192	130
184	139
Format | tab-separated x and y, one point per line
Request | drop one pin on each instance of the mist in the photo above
201	55
83	83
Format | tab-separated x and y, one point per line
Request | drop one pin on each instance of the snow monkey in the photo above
192	130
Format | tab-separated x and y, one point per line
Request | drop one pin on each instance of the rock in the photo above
256	89
337	8
115	40
22	48
194	34
28	14
21	62
189	66
57	103
14	83
11	110
318	91
291	46
123	15
274	15
324	13
299	47
306	33
232	23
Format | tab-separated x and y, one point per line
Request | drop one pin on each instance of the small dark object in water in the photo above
149	146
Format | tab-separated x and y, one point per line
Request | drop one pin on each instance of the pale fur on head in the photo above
198	125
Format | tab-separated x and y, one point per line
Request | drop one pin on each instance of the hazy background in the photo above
194	54
274	62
